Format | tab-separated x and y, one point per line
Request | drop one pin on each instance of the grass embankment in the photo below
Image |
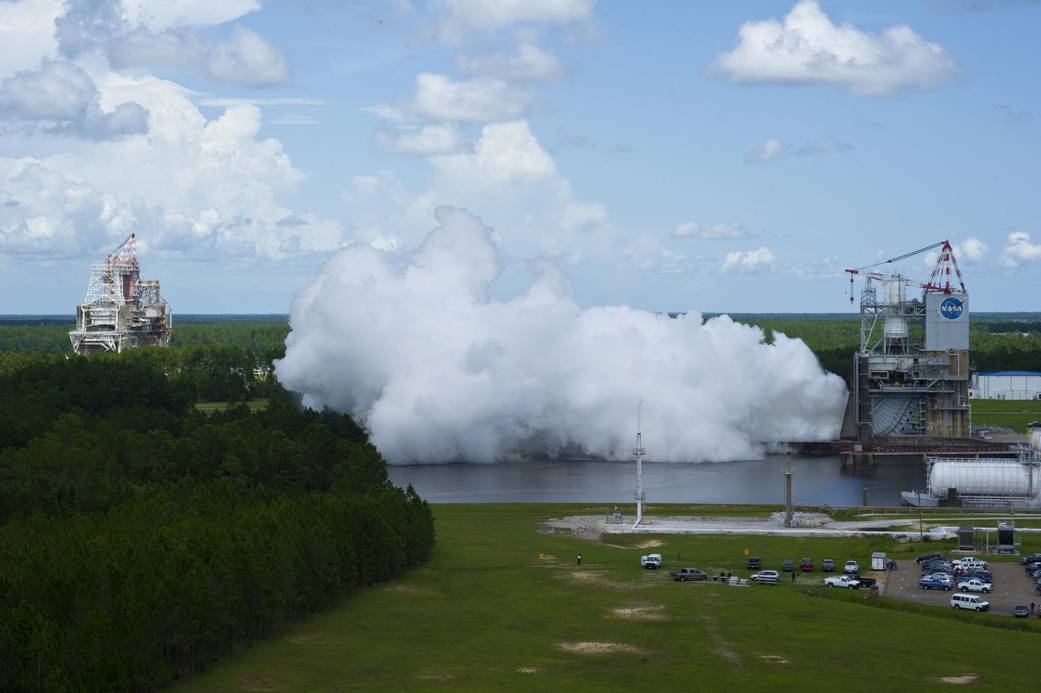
486	613
1009	413
210	407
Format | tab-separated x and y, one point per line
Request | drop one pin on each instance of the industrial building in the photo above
1006	385
121	310
911	371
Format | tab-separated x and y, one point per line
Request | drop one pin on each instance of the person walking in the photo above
579	560
1032	605
793	576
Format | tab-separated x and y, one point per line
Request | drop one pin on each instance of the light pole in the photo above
921	529
788	491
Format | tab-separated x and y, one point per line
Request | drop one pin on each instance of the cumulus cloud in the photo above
770	150
27	34
530	62
204	187
60	97
437	371
145	38
484	99
424	141
690	229
486	16
749	260
505	153
972	249
807	48
1020	250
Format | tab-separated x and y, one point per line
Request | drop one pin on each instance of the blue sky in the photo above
670	156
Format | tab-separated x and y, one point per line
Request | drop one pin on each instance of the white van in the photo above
973	602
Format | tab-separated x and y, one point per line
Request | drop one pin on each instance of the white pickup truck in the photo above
841	581
651	561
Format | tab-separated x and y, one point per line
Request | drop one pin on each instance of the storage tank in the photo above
1035	437
983	477
895	327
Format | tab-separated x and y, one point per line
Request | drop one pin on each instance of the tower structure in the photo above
121	310
911	370
639	452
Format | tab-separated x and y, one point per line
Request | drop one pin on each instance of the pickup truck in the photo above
684	574
651	561
841	581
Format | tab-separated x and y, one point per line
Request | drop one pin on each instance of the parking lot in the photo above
1011	586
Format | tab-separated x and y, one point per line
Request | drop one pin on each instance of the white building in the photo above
1006	385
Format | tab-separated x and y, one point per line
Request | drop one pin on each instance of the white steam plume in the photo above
437	371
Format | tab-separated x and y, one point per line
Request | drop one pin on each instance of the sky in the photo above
666	156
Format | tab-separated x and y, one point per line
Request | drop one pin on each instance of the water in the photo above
816	481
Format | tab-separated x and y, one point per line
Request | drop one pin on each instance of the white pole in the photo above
638	453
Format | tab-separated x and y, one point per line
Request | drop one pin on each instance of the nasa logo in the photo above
952	308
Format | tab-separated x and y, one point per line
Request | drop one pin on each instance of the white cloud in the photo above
770	150
424	141
209	188
1020	250
62	98
972	249
506	153
531	62
807	48
690	229
246	58
750	260
224	102
460	375
27	34
486	16
159	15
165	37
483	99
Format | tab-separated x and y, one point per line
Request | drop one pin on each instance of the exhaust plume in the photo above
438	371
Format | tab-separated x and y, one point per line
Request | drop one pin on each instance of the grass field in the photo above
210	407
1010	413
487	613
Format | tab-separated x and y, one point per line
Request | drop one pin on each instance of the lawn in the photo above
499	604
1010	413
210	407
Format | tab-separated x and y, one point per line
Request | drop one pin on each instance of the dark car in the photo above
755	563
827	566
684	574
788	565
927	557
1032	558
806	565
867	582
1021	611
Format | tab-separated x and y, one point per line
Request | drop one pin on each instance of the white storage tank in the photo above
895	327
1035	437
983	477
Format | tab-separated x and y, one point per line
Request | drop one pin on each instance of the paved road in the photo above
1011	586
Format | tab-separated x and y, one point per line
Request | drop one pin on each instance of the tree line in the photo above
141	539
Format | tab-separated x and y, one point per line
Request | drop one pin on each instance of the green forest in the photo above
141	539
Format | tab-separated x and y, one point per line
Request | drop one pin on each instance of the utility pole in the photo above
638	453
788	491
921	529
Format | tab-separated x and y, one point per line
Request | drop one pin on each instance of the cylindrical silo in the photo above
895	326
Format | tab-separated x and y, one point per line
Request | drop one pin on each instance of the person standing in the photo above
579	560
1032	605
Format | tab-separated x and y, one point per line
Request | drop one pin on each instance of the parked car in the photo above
938	576
867	582
766	577
651	561
984	575
1021	611
926	557
851	567
975	585
841	581
1032	558
806	565
788	566
755	563
827	566
928	583
684	574
970	562
973	602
